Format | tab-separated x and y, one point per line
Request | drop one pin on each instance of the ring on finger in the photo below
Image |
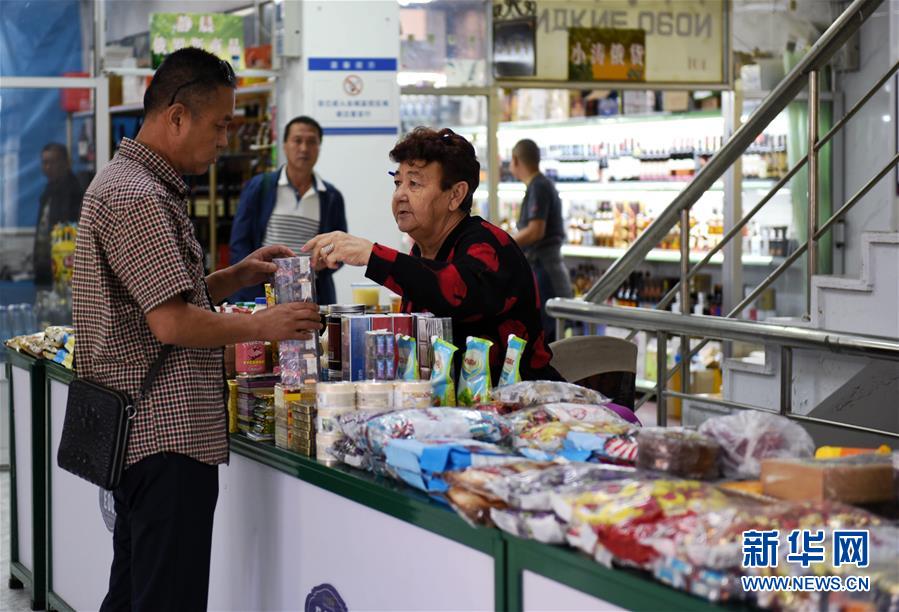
328	248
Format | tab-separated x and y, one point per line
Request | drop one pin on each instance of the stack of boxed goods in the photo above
294	411
250	389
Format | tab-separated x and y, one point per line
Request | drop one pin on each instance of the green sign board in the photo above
606	54
221	35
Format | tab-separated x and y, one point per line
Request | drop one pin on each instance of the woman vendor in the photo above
461	266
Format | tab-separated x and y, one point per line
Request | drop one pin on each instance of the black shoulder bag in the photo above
95	431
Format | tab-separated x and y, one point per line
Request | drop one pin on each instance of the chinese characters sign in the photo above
221	35
806	547
354	95
685	42
606	55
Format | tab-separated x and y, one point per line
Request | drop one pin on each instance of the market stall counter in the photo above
291	530
27	466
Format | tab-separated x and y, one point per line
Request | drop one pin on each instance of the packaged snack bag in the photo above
443	390
407	358
510	374
474	381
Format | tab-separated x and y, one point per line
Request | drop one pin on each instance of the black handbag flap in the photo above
94	432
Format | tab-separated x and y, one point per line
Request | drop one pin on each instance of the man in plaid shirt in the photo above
139	284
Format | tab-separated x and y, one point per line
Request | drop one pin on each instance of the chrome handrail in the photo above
665	324
849	22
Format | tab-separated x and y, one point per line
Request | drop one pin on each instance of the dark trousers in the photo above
163	535
552	281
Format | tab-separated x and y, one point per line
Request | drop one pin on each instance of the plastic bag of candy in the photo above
352	447
539	392
468	493
543	527
749	436
521	420
677	451
550	438
433	423
620	513
531	490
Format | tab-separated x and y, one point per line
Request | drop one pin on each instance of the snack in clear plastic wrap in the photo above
532	489
514	350
474	380
677	451
474	508
433	423
618	514
524	419
352	448
443	391
479	479
407	358
468	493
543	527
421	463
749	436
538	392
615	449
294	279
551	437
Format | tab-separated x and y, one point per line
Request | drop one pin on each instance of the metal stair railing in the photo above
665	324
805	72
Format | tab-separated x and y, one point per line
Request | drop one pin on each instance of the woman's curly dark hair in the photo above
454	153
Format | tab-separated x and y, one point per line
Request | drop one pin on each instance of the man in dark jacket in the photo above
289	206
60	203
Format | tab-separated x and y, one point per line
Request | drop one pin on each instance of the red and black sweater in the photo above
482	280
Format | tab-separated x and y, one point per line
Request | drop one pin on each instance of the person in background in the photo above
139	284
60	203
541	231
461	266
289	206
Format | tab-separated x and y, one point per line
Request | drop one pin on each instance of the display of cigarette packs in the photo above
301	427
294	281
403	324
262	427
249	388
427	328
380	355
283	418
232	406
352	350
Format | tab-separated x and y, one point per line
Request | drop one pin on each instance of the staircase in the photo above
842	359
836	387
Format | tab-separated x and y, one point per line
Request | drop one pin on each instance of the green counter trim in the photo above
36	579
55	602
628	589
59	373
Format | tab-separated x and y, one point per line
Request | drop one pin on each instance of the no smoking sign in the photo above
352	85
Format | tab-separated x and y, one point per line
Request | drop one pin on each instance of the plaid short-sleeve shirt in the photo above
136	249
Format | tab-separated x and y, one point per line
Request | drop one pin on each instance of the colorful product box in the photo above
352	350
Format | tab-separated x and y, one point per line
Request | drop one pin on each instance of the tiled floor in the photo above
11	600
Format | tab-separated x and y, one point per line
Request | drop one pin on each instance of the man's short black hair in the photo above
527	152
187	76
57	147
306	121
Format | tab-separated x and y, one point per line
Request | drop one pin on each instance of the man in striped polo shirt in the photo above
289	206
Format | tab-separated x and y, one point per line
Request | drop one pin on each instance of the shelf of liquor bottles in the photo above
659	255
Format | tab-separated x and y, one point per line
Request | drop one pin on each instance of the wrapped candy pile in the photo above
553	462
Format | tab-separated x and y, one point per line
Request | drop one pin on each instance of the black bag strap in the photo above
151	376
